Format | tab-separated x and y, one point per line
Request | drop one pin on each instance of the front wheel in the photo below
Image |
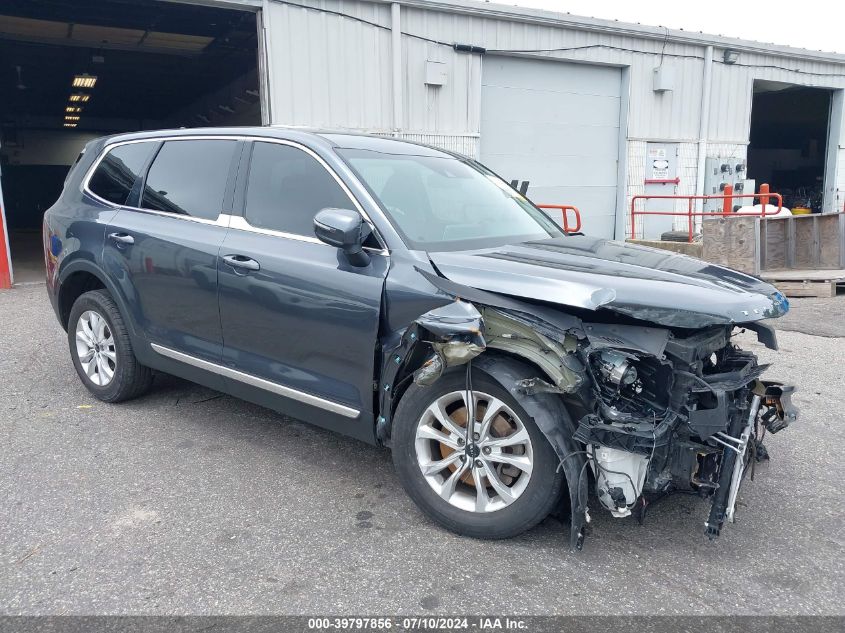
498	481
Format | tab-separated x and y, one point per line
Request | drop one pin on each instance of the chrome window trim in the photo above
240	223
110	146
231	221
255	381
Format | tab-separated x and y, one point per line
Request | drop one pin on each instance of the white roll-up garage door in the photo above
555	124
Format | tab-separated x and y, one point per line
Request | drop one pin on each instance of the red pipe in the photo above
727	207
563	209
728	201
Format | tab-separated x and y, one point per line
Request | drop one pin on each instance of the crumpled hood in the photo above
645	283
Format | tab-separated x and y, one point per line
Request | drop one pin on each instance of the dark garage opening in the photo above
157	64
789	134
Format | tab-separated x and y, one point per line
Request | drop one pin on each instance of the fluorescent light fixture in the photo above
730	56
73	109
84	81
71	118
79	97
70	124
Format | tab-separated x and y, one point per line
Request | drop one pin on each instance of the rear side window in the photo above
116	174
189	178
287	187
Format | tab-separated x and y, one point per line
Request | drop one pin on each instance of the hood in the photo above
641	282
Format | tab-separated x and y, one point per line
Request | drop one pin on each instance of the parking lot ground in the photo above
190	502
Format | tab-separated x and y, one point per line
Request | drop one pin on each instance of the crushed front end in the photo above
636	408
675	412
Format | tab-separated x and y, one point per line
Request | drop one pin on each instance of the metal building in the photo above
589	112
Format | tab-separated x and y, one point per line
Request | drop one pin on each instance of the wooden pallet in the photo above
806	283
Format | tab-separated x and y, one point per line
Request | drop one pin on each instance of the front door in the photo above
299	322
163	250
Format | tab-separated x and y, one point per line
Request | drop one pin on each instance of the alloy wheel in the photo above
95	348
483	471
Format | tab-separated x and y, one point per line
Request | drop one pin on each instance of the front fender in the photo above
549	413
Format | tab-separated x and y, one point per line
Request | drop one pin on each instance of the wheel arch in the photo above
81	276
549	412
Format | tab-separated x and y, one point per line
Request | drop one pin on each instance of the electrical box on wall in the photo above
435	73
720	172
663	79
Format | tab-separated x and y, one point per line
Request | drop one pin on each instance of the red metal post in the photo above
633	219
5	263
727	201
689	219
764	199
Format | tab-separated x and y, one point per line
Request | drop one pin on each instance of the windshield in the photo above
440	203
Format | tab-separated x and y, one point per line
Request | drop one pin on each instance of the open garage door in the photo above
556	125
74	71
788	148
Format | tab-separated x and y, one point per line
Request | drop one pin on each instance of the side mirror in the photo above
344	229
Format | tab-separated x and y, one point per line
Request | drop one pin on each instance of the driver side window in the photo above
286	187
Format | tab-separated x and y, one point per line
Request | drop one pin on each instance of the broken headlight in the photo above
629	387
616	368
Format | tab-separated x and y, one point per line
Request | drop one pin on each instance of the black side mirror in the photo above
344	229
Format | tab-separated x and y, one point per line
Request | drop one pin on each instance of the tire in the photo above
129	379
533	503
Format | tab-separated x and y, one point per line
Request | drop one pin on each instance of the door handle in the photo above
122	238
241	261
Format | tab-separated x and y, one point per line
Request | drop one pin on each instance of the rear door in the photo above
299	322
162	246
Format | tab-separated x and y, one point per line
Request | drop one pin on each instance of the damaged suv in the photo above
409	297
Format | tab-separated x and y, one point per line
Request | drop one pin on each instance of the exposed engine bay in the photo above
634	412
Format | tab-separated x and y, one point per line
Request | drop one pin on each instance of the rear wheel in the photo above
495	482
102	351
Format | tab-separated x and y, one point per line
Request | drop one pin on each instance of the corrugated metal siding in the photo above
329	71
464	144
332	71
664	117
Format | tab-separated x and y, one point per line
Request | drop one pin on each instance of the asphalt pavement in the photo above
187	501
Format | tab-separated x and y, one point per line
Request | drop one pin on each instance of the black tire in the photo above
131	379
539	498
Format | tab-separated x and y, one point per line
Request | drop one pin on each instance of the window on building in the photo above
116	174
189	178
287	187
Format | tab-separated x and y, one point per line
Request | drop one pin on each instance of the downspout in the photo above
264	65
704	122
396	54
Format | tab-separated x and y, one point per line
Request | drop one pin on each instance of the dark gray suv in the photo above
394	293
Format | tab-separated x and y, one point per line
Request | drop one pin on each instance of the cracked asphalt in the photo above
190	502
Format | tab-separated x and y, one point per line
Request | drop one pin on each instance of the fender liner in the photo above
549	413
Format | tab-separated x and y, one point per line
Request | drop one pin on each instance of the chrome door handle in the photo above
122	238
241	261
